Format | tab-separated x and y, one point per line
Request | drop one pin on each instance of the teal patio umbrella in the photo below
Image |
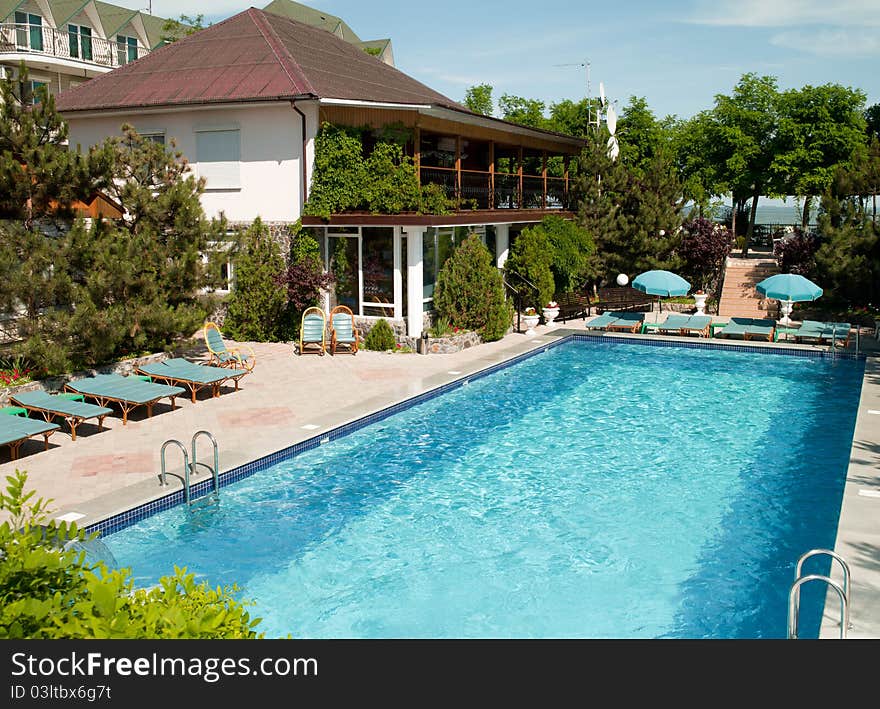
789	288
663	283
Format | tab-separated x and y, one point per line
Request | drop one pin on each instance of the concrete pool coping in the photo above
361	386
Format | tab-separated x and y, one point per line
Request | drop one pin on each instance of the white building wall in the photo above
271	146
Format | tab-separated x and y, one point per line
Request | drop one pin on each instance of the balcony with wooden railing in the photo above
44	42
487	189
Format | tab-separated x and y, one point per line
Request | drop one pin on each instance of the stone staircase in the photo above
739	298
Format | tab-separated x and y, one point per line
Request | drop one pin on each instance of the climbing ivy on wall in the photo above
351	176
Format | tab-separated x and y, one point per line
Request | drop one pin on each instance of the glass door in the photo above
344	263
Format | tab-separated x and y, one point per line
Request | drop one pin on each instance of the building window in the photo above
218	154
378	250
80	40
32	91
437	246
126	48
154	137
217	257
29	31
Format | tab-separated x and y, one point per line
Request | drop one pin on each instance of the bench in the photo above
623	298
573	305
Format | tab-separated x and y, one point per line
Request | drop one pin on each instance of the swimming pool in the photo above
598	489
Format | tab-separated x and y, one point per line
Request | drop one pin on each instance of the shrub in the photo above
530	258
469	292
704	246
572	253
380	337
797	253
48	589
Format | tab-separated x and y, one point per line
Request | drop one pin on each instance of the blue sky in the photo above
677	54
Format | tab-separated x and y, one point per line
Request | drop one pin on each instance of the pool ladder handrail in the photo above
190	464
843	591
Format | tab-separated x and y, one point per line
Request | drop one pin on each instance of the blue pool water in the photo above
596	490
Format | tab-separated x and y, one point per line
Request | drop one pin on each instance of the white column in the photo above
414	280
398	276
502	244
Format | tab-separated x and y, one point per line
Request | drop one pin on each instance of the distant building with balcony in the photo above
66	42
244	100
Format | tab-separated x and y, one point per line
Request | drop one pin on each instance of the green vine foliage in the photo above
469	292
383	180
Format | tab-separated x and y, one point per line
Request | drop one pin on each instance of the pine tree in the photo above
39	176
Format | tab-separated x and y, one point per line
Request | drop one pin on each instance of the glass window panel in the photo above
73	40
344	267
378	250
218	156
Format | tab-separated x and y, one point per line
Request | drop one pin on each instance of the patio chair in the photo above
15	430
343	333
194	376
127	392
824	333
52	406
627	321
240	357
313	332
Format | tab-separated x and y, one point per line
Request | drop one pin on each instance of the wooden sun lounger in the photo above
52	406
195	377
824	333
749	329
627	322
15	430
678	324
127	392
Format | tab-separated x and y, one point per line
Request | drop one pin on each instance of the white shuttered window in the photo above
218	153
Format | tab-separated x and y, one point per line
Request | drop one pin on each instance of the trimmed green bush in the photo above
531	257
48	590
380	337
469	293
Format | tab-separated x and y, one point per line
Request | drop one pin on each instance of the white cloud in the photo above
786	13
830	42
191	8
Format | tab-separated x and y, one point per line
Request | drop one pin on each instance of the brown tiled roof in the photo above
252	56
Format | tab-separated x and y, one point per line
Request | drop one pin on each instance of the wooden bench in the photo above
622	298
573	305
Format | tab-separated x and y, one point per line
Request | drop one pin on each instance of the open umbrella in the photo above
789	288
663	283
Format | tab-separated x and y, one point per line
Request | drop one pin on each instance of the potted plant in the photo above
550	312
531	318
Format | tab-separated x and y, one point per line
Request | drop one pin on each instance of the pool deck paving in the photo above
290	398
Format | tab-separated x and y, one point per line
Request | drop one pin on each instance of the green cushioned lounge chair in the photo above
736	327
627	322
761	329
313	332
240	357
195	377
343	333
52	406
127	392
15	430
674	324
697	325
601	322
824	332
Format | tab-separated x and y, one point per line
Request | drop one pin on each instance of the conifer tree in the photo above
257	305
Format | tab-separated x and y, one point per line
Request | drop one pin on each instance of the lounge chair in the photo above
824	333
313	332
601	322
749	329
627	322
240	357
678	324
343	333
182	372
52	406
128	392
15	430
